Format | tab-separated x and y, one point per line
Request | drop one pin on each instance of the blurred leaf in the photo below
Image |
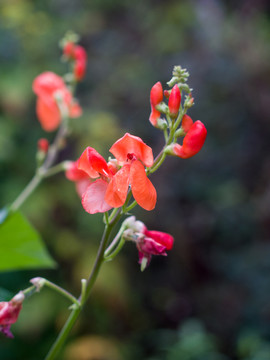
5	295
21	246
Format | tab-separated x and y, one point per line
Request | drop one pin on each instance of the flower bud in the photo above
43	145
174	101
156	96
68	49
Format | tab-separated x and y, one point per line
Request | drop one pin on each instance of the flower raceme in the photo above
110	181
47	86
9	312
79	55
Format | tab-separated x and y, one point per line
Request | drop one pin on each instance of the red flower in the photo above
46	86
153	243
80	57
193	141
9	312
174	101
131	152
95	166
156	96
111	187
148	242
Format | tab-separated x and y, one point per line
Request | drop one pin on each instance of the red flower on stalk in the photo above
80	177
9	312
79	55
148	242
111	187
156	96
47	86
193	140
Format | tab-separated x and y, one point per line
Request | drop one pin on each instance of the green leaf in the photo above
21	246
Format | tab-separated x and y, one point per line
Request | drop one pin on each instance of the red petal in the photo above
130	144
187	122
48	114
161	237
82	185
93	163
74	174
142	189
118	187
93	200
47	83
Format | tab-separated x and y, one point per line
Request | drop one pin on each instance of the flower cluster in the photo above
53	99
108	183
9	312
78	55
194	132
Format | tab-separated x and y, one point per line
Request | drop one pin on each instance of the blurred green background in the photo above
210	298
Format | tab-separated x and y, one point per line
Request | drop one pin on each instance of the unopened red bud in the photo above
43	145
174	101
156	96
68	49
167	93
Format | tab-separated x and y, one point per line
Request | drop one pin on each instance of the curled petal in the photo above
48	114
161	238
130	144
93	200
187	122
93	163
142	189
151	247
118	187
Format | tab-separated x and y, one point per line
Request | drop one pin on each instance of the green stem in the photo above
89	285
62	291
32	185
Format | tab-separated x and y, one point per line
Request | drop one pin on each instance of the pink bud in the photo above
156	96
174	101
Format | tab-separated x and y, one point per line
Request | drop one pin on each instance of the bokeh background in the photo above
210	298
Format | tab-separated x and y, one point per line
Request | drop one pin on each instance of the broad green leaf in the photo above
21	246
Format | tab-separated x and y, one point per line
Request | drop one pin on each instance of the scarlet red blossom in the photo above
193	141
148	242
9	312
153	243
156	96
174	101
79	55
187	122
47	86
112	181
